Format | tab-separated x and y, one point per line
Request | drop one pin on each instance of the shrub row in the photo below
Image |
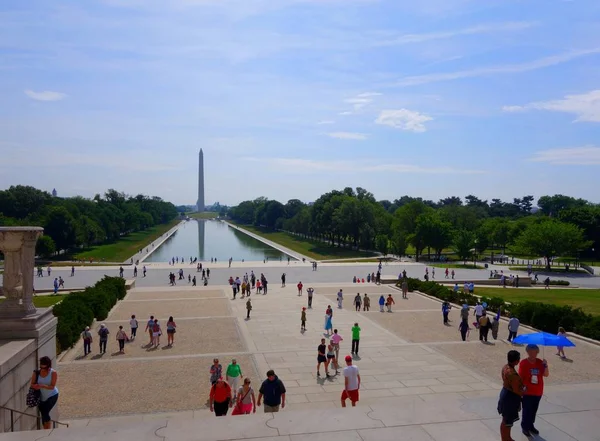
78	310
553	282
542	316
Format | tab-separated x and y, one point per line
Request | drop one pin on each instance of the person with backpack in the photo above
86	335
484	327
103	333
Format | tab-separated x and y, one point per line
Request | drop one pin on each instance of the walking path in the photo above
420	382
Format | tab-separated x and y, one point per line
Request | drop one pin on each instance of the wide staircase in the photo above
434	417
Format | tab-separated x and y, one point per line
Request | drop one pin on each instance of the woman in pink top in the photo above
335	341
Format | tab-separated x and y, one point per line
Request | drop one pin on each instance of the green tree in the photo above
551	239
60	226
45	247
382	244
463	244
433	232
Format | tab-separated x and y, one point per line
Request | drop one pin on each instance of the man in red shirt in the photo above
532	371
300	285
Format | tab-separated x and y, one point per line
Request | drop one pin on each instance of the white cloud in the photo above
348	135
347	112
502	69
46	95
403	119
585	106
586	155
368	94
360	101
473	30
307	165
325	121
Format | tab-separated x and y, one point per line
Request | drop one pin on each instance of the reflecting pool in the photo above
206	239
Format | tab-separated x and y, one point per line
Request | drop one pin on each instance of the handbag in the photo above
237	410
34	396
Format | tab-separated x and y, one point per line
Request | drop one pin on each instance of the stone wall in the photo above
18	359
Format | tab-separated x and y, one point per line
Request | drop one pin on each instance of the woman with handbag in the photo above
246	401
171	331
44	381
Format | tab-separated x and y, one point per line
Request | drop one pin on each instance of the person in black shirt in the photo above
322	357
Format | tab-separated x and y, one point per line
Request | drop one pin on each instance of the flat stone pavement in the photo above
419	381
339	273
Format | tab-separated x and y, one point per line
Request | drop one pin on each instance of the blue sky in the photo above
292	98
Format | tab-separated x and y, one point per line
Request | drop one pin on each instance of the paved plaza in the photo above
420	382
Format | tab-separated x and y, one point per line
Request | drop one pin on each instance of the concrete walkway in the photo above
419	381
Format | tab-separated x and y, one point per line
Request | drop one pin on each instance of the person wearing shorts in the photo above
351	382
322	358
509	402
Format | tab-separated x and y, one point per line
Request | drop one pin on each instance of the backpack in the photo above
103	332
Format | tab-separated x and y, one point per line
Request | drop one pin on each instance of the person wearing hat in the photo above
532	371
351	382
273	391
233	376
103	333
86	335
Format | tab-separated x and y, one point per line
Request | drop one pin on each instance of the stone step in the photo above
360	424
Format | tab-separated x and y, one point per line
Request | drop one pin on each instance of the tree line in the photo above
77	222
557	226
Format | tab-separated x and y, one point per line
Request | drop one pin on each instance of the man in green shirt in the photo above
355	338
234	375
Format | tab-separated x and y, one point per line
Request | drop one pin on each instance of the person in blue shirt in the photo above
456	288
445	311
381	303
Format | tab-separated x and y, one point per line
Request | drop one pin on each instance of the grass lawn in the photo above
456	265
127	246
204	215
45	301
572	261
587	299
310	248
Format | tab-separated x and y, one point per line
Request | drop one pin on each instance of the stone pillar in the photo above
26	333
18	246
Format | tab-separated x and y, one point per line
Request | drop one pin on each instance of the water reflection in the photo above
213	239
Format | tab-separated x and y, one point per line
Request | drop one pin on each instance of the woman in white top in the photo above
246	401
44	380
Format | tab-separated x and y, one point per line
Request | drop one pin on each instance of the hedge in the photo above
553	282
78	310
542	316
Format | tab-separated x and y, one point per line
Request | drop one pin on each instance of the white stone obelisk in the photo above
200	203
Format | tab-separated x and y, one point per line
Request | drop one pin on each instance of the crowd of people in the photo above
153	328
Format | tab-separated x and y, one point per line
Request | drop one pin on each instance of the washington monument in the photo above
200	203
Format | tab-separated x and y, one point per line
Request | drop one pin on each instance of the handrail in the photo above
37	417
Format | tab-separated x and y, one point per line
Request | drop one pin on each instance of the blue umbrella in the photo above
543	339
